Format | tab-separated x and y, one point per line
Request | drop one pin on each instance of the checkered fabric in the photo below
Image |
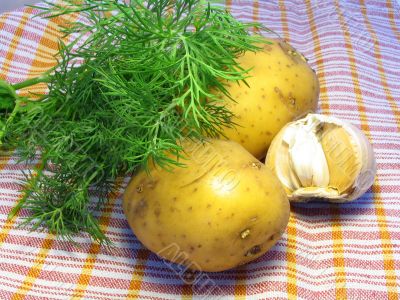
329	251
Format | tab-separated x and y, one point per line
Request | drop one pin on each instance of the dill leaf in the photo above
135	80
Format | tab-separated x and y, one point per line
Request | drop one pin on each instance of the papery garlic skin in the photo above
322	157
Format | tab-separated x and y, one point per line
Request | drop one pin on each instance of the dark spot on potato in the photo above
195	190
157	212
207	260
297	75
286	79
252	125
248	189
172	209
129	207
209	205
159	234
144	224
245	109
253	250
269	67
209	223
272	237
199	245
139	188
191	248
232	214
242	141
183	236
279	62
279	92
262	89
190	208
268	133
278	119
163	244
141	208
246	92
259	107
174	199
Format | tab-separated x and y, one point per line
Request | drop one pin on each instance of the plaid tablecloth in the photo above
329	251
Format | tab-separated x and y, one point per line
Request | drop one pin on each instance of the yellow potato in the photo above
281	88
223	209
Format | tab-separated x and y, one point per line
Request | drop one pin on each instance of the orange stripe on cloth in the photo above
396	31
391	279
381	70
240	284
187	291
36	269
291	276
291	258
228	5
284	19
388	259
137	274
104	221
9	222
324	104
9	57
3	22
47	46
337	232
46	51
338	253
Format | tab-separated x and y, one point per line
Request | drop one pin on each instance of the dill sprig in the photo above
135	79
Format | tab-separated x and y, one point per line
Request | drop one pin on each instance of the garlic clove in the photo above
344	160
322	157
307	158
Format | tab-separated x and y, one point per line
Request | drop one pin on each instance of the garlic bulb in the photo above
322	157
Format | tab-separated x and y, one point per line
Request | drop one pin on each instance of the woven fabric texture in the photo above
329	251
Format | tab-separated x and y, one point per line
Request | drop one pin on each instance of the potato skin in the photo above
223	209
282	87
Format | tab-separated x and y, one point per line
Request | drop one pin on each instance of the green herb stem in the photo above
32	81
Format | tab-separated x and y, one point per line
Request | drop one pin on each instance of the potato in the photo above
223	209
281	88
